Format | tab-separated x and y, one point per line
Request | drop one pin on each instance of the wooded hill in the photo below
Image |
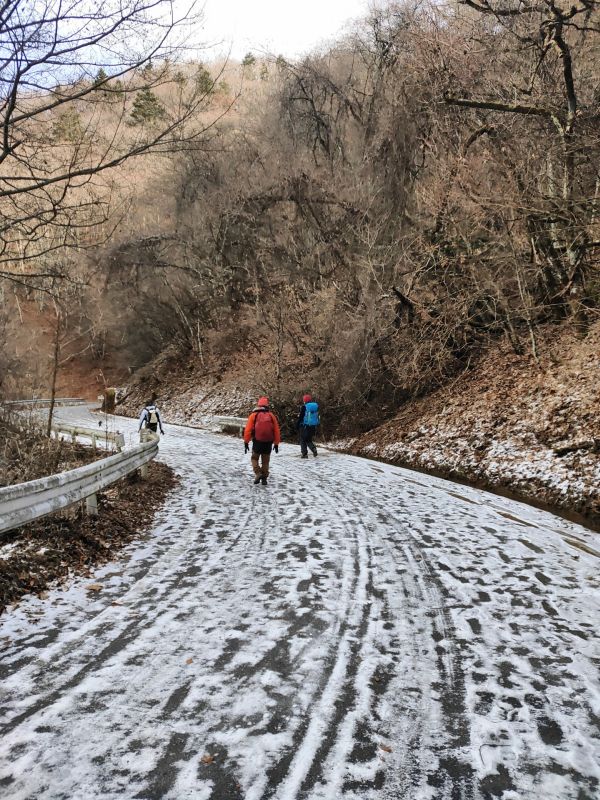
367	220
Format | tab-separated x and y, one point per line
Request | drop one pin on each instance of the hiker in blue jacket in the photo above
308	419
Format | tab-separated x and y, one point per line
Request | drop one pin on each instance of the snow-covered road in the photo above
353	630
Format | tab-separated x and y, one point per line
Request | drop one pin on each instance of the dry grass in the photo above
26	453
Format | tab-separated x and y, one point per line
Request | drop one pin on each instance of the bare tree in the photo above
377	213
536	100
61	67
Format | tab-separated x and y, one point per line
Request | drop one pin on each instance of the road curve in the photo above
353	630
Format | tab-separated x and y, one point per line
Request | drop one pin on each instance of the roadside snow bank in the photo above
530	428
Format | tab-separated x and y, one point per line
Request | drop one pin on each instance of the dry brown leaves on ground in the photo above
48	551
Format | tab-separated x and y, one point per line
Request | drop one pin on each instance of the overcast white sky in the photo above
289	27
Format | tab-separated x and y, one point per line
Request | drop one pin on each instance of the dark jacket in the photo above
301	416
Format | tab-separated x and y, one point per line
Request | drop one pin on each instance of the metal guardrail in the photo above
25	502
237	423
96	435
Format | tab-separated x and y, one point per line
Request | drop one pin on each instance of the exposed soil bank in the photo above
186	392
527	428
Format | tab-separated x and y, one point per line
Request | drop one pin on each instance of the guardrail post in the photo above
91	505
146	436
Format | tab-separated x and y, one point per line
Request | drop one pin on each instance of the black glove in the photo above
246	448
276	448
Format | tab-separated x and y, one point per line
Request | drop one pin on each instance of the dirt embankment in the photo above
186	392
530	428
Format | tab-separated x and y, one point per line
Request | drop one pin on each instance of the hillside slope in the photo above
509	424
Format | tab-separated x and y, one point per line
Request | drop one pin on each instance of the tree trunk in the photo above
55	366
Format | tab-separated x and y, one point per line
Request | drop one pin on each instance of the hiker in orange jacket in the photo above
263	429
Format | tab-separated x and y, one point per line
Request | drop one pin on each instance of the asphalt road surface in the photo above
352	630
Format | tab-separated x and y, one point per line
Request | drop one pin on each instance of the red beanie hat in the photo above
263	401
307	398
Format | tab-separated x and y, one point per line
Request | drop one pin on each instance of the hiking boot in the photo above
257	480
263	481
304	455
314	453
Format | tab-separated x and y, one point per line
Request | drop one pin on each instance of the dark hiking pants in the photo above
306	442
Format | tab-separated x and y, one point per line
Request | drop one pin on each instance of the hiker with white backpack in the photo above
150	418
308	419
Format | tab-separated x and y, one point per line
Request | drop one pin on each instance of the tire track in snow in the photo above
351	736
319	616
421	591
337	652
298	770
349	704
453	775
347	694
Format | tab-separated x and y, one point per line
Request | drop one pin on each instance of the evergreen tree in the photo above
204	82
179	78
117	91
248	63
101	78
146	108
67	127
106	88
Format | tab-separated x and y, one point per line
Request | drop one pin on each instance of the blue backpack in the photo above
311	414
